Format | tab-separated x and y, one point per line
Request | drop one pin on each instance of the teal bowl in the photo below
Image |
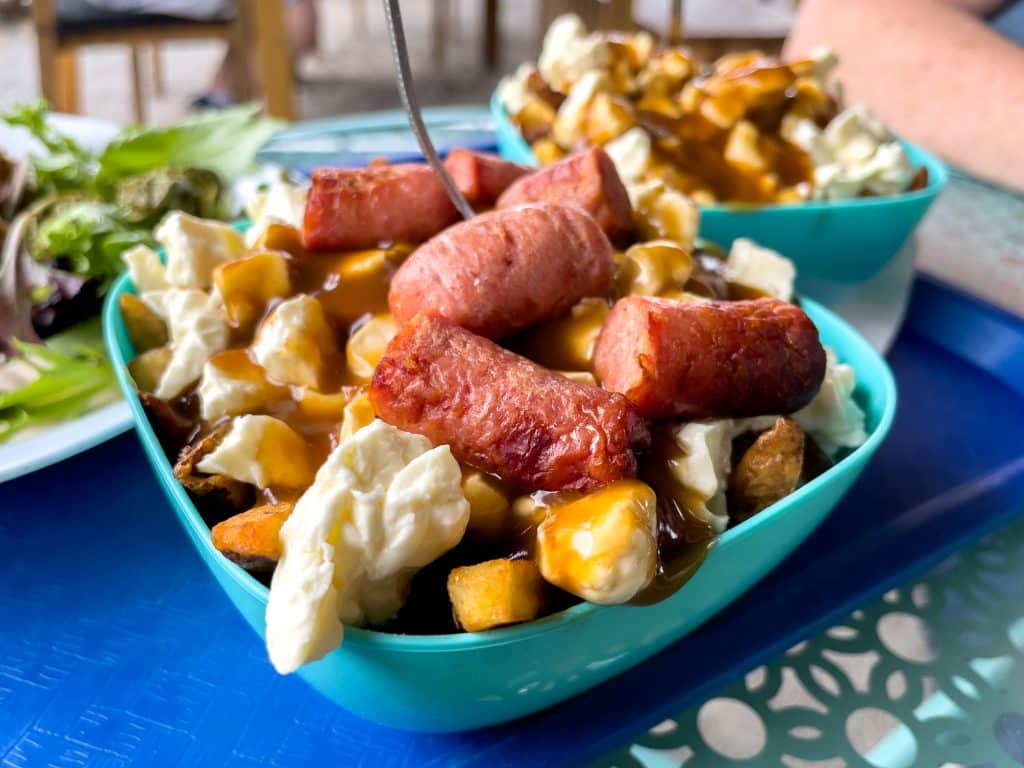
844	241
459	682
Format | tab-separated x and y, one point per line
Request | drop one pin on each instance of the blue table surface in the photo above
117	648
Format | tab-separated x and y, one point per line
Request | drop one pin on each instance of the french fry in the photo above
495	593
146	329
149	367
250	538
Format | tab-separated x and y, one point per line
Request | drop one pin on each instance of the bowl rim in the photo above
115	338
938	178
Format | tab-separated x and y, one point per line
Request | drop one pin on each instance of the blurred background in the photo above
460	49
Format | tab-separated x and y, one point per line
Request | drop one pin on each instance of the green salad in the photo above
67	215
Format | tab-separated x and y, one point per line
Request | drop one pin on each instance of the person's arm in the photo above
933	71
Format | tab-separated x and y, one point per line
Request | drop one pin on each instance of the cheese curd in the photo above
572	114
232	384
513	91
194	247
760	268
854	154
384	504
145	269
294	342
631	154
569	52
282	203
833	417
602	547
263	451
703	467
198	329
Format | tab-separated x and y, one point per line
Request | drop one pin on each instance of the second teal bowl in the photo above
459	682
844	241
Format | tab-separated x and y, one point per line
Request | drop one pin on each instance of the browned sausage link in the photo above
502	413
709	359
588	180
353	208
505	270
482	177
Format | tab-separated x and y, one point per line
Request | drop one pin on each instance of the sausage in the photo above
482	177
354	208
502	413
588	180
505	270
710	359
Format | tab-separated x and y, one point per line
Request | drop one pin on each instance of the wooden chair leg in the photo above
242	50
156	69
67	81
138	98
439	37
44	19
491	34
274	57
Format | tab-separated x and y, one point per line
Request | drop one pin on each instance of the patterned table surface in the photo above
930	675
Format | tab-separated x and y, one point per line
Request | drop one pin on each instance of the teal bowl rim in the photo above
938	178
114	335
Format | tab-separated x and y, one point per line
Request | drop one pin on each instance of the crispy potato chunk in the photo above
358	413
489	504
366	346
567	343
495	593
250	538
216	496
149	367
278	236
769	470
246	285
653	268
146	329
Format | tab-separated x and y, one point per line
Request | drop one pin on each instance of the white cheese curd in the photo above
283	203
383	505
228	392
294	341
513	91
854	154
705	465
195	246
760	268
631	154
263	451
833	417
198	329
145	269
603	546
571	115
568	52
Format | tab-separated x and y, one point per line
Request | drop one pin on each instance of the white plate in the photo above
47	445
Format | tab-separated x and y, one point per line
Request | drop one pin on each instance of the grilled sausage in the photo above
710	359
354	208
588	180
505	270
501	413
482	177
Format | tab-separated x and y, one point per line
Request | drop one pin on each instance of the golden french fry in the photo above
495	593
250	538
146	329
489	504
148	368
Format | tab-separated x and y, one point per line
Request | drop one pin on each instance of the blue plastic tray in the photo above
117	648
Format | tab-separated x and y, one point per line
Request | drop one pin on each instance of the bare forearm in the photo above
933	72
